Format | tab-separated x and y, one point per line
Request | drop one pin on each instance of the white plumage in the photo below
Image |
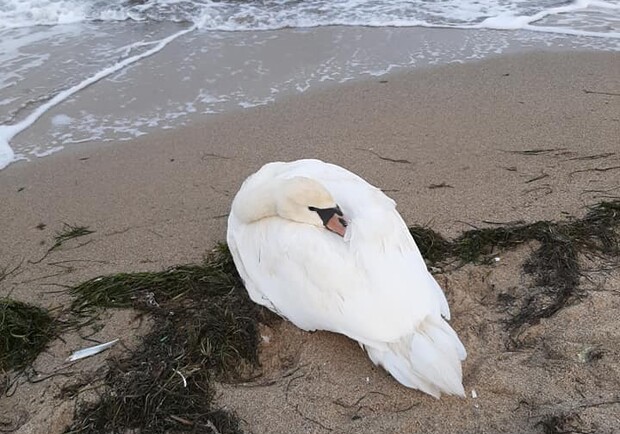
371	284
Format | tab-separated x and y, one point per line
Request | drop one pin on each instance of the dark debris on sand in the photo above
206	329
554	264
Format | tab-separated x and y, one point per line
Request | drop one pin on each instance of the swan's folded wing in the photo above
372	290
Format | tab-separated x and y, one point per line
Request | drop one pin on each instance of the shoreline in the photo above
187	76
507	139
422	96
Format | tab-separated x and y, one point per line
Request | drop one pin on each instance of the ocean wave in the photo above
580	17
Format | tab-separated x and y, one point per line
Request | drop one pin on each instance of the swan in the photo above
326	250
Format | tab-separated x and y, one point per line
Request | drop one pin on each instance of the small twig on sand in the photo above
341	403
8	271
288	385
537	178
205	155
294	370
536	151
547	190
391	160
402	410
595	169
600	93
598	404
47	276
491	222
296	406
593	157
306	418
607	190
442	185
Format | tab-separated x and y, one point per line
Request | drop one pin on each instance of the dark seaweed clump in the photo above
206	329
554	264
25	331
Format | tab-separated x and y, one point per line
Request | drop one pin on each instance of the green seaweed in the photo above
206	329
25	331
69	232
554	264
596	232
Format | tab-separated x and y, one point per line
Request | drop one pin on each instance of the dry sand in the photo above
446	144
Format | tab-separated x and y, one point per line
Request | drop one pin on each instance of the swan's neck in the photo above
257	200
267	196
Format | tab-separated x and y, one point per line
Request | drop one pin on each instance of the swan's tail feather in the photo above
428	360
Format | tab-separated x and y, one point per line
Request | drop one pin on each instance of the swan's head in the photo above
305	200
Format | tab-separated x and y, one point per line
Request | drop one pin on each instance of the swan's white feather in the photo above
372	286
90	351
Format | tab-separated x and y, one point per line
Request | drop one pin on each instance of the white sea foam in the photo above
7	156
61	119
46	152
234	15
511	21
7	132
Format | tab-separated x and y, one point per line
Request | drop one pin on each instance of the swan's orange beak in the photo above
337	224
332	218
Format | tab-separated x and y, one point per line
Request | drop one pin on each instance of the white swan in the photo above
321	247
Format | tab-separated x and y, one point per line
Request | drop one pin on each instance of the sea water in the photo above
79	71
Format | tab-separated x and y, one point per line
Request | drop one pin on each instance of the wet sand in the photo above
526	137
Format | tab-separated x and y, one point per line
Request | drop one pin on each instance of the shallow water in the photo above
87	71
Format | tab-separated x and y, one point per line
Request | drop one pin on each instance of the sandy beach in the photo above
515	138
